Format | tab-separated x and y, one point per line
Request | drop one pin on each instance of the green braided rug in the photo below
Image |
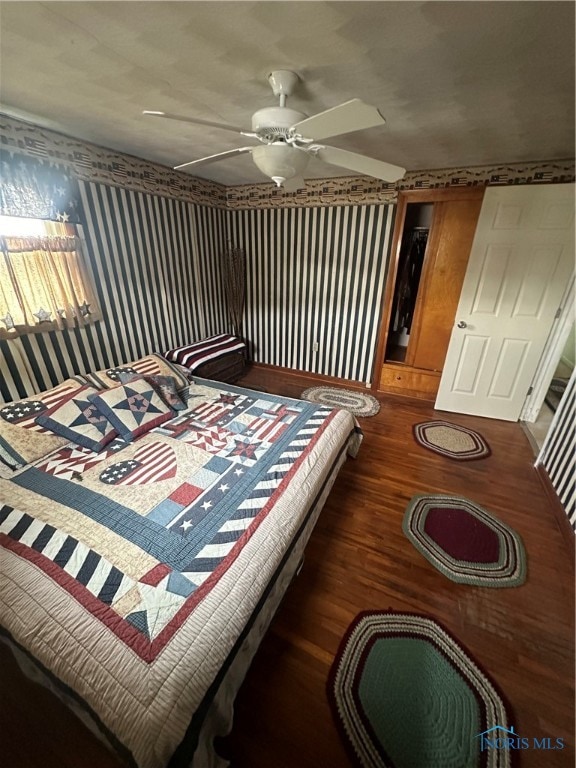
405	694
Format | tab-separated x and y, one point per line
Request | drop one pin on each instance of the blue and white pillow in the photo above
164	385
79	420
133	408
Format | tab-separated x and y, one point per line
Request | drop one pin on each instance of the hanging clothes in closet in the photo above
409	272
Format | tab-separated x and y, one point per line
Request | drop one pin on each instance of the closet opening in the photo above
417	225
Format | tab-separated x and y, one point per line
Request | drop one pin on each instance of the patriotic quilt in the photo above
130	573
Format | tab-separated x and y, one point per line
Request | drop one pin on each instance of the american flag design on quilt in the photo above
24	412
151	464
178	520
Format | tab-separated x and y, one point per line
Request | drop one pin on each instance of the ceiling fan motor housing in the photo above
273	123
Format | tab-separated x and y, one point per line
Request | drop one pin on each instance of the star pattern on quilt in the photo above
117	472
244	449
211	439
155	609
227	398
138	403
89	414
114	373
18	411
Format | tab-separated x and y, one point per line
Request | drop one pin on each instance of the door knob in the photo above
462	324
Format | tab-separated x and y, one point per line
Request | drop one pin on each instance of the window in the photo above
43	282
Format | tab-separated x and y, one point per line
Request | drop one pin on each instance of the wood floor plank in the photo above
358	559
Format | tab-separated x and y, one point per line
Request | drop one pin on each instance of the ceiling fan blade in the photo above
214	158
361	164
353	115
294	184
194	120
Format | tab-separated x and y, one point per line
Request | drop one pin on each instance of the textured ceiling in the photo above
460	83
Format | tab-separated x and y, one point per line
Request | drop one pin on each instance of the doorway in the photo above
538	430
521	261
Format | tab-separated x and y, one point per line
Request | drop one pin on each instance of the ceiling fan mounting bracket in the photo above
283	82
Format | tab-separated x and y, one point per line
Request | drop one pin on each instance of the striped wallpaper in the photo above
155	264
314	276
558	454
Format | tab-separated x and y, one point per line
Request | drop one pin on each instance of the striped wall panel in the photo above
314	276
156	268
558	454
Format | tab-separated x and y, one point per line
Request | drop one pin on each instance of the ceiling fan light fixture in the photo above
280	161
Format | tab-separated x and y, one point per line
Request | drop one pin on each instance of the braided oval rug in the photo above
357	403
406	694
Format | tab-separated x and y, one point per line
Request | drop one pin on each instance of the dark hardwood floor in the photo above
357	559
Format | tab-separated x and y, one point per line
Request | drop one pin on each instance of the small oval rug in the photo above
358	403
464	542
405	694
451	440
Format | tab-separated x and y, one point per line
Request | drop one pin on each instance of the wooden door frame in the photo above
405	197
551	356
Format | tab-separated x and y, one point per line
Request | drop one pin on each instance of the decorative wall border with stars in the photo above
90	162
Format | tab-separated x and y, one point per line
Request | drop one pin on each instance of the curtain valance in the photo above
43	286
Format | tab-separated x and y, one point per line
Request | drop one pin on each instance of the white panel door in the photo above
521	261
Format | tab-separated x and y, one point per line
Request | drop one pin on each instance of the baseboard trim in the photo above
559	511
314	378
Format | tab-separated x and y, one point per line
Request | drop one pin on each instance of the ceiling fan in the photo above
288	138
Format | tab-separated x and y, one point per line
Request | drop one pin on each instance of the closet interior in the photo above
431	245
410	263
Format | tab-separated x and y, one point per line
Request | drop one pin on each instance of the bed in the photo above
143	552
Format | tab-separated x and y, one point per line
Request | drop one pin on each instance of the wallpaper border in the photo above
92	163
360	190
